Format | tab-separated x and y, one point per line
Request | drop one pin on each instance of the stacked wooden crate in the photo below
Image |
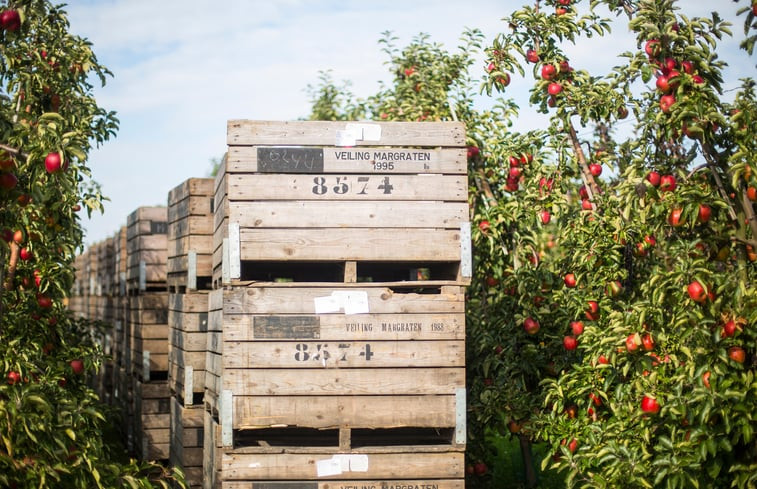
92	266
146	251
190	240
105	314
121	351
76	299
336	327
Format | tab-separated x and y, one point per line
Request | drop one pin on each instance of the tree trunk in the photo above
528	460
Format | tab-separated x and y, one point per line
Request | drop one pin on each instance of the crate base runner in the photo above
402	463
361	484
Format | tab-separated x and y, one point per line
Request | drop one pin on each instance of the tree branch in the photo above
15	152
12	263
591	185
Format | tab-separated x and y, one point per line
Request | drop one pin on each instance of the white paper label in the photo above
351	302
345	138
328	467
366	132
327	304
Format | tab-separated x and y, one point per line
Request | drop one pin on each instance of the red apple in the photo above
25	254
666	102
633	341
592	311
570	280
663	84
13	377
545	217
667	183
652	48
586	205
622	112
751	193
573	445
504	80
650	240
18	236
514	173
650	405
492	281
647	342
583	193
653	178
532	56
531	325
561	11
602	360
77	366
548	71
696	291
10	20
729	329
480	468
554	88
704	213
8	181
674	219
595	169
737	354
697	79
44	301
514	161
595	399
706	379
484	226
53	162
614	288
570	342
688	67
473	151
577	327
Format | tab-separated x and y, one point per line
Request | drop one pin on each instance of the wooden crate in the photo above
293	203
188	320
146	249
261	465
277	360
190	254
148	328
118	277
186	451
152	432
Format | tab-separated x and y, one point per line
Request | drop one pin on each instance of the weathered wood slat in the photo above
192	225
375	381
202	244
376	160
288	466
324	133
335	327
320	355
146	243
433	245
284	300
315	214
193	302
189	188
146	214
433	411
244	187
334	484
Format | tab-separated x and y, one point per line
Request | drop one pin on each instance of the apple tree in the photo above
621	269
52	424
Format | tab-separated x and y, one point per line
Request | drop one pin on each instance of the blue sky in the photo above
184	67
